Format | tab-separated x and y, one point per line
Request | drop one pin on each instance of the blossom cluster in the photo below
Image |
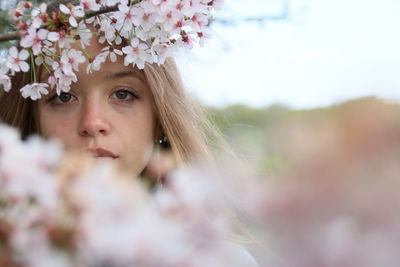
64	211
140	31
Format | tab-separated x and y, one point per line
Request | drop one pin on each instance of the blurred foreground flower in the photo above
60	211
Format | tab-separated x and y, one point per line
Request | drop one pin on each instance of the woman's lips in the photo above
103	153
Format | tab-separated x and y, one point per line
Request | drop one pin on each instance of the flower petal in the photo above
64	9
13	51
24	66
53	36
73	22
42	34
23	54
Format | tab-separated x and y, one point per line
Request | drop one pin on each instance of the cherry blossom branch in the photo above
15	35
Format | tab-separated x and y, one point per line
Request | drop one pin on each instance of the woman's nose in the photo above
93	120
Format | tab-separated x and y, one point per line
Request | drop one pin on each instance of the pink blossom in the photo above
90	4
127	17
191	7
96	63
112	53
136	53
85	35
64	40
170	19
198	22
71	59
203	37
165	5
16	60
37	14
34	39
217	4
74	12
34	90
64	76
108	30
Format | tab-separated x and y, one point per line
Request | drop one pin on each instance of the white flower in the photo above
187	41
16	60
148	20
34	91
90	4
37	15
191	7
112	53
64	40
34	39
70	59
127	17
96	63
136	53
198	22
203	37
74	12
109	31
161	51
165	5
85	35
64	79
217	4
5	81
170	19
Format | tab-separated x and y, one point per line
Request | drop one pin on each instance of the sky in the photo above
329	51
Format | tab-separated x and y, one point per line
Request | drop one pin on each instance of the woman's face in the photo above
107	115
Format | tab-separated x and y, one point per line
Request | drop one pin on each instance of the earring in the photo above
163	142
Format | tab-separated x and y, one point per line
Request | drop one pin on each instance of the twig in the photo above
51	8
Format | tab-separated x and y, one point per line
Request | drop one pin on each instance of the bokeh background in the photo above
277	62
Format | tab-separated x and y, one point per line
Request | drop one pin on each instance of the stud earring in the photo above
163	142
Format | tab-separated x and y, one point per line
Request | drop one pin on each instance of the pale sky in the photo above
331	51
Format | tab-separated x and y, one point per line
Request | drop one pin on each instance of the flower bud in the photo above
17	13
27	5
22	25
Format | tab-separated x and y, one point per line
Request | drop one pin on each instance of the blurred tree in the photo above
259	134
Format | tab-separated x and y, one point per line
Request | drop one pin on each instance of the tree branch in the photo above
53	7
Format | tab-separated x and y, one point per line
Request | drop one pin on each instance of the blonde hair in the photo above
181	119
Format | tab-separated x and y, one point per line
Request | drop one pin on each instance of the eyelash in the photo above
130	94
55	100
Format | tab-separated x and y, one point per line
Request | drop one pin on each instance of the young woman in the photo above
118	113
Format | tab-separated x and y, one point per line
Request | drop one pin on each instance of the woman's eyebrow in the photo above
123	74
